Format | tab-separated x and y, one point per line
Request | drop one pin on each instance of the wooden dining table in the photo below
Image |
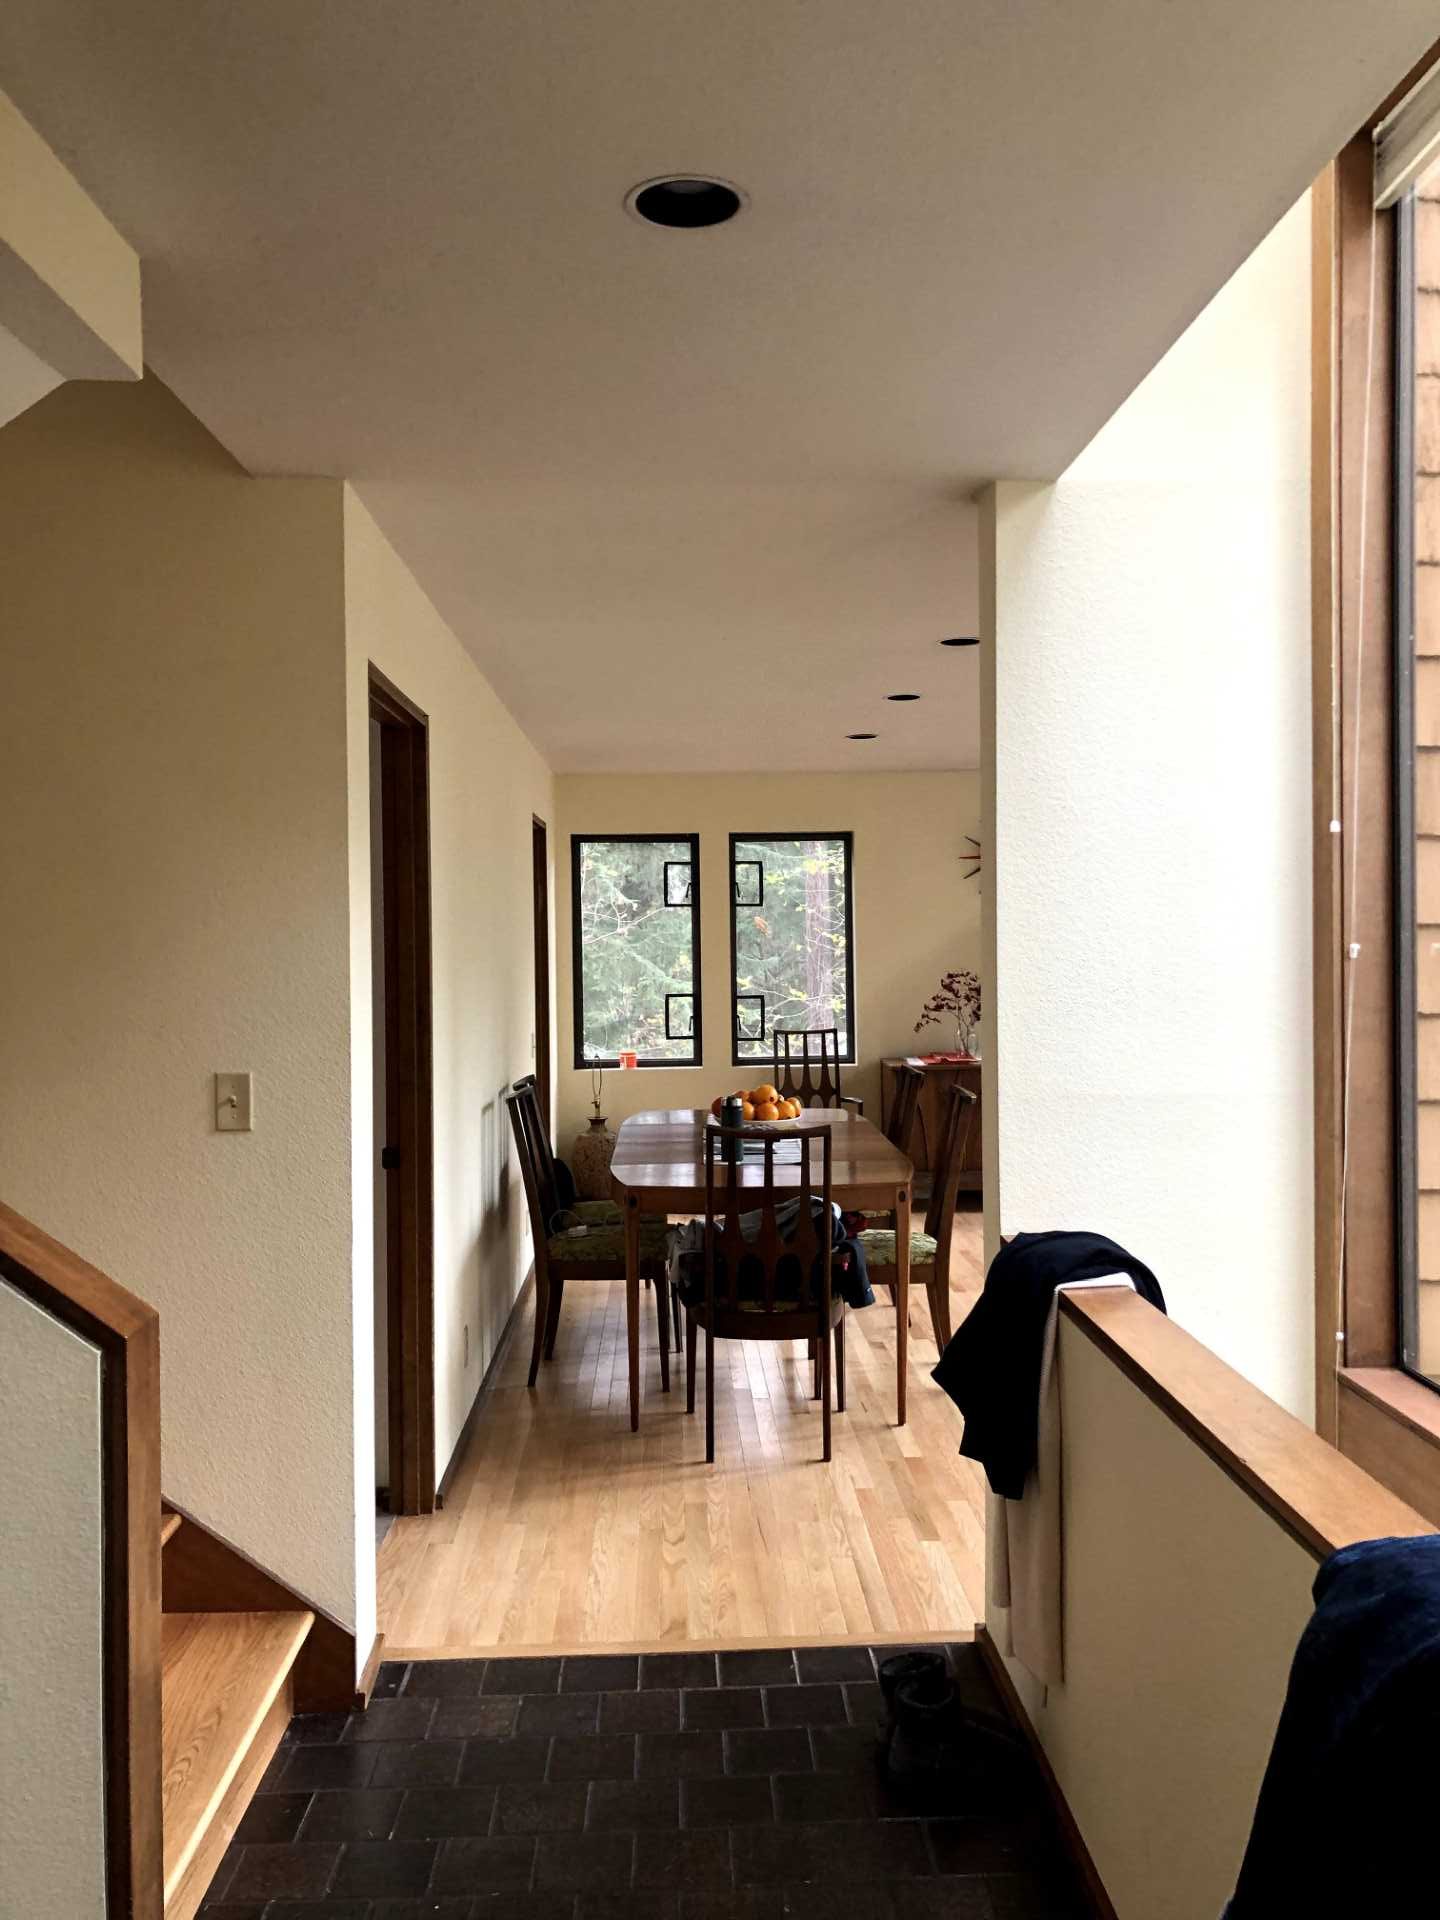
659	1167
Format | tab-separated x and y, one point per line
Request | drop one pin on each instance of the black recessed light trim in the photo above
902	696
966	640
862	736
684	201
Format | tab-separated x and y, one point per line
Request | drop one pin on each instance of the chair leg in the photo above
935	1292
824	1346
689	1363
840	1364
710	1396
552	1315
542	1314
816	1348
662	1317
675	1314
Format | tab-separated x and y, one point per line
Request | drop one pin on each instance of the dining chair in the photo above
560	1255
754	1281
814	1078
931	1251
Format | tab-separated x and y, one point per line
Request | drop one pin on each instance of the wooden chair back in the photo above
768	1272
807	1065
904	1105
537	1163
955	1125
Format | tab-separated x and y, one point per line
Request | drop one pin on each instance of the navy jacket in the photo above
991	1369
1346	1811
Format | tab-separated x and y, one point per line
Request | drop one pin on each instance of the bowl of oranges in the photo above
763	1105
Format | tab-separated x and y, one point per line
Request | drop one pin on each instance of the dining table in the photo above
659	1168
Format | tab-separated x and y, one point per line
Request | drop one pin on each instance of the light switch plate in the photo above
233	1107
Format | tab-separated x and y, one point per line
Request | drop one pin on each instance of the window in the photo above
791	938
1417	769
635	910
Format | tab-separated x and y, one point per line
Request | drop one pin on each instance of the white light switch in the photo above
232	1103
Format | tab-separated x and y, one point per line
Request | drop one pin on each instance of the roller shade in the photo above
1407	141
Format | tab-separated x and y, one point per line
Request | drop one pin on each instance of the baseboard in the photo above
369	1673
1091	1883
203	1573
502	1345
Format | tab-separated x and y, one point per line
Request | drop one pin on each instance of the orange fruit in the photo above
717	1105
747	1113
766	1110
764	1093
790	1110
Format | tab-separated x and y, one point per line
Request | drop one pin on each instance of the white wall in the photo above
52	1756
916	915
173	848
487	782
1147	632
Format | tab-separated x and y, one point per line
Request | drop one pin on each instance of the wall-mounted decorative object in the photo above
957	999
593	1150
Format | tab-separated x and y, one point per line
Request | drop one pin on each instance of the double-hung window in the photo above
635	923
791	939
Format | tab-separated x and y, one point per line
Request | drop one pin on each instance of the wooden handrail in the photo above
1321	1499
127	1332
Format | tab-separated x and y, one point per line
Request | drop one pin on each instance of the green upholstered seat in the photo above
879	1245
596	1213
607	1242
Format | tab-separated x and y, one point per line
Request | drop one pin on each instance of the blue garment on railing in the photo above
991	1368
1346	1809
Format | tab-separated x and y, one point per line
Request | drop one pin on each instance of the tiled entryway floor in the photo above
668	1786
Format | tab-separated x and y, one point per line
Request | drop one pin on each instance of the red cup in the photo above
628	1060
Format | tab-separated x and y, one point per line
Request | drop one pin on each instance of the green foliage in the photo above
634	949
793	947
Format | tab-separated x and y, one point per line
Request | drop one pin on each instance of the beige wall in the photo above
173	865
486	783
52	1755
916	916
1147	642
1183	1604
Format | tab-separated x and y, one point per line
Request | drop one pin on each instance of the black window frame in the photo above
847	838
577	959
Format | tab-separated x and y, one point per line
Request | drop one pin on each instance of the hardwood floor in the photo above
563	1530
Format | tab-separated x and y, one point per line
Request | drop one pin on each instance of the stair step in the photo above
224	1691
169	1526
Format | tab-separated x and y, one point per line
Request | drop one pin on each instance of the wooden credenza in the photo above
925	1140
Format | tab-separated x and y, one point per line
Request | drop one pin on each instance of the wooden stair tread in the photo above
220	1674
169	1525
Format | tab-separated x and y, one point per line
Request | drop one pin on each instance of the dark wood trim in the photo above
1074	1841
405	855
1398	92
577	960
1390	1425
852	1053
127	1333
1320	1498
512	1320
204	1573
540	884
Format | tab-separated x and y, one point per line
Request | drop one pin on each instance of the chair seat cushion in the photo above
607	1242
596	1213
879	1245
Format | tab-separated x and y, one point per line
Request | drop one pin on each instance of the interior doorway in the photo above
540	853
404	1152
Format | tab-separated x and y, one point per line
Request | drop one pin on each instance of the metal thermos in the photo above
732	1118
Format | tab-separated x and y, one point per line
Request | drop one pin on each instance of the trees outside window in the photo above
791	938
636	932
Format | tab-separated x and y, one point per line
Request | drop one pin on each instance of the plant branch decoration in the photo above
597	1081
957	999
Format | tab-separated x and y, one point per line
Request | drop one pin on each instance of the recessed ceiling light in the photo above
902	696
968	640
684	200
862	736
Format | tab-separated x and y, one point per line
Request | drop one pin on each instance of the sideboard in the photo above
939	1074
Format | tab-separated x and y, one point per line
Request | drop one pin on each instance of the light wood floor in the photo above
563	1530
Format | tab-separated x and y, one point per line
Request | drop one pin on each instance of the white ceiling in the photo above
693	500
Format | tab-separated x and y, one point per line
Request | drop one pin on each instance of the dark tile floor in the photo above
672	1786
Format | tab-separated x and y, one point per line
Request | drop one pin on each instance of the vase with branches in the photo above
957	998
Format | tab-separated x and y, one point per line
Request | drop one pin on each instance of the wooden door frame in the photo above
409	1094
540	857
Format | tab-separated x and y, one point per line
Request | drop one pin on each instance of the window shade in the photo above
1408	140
